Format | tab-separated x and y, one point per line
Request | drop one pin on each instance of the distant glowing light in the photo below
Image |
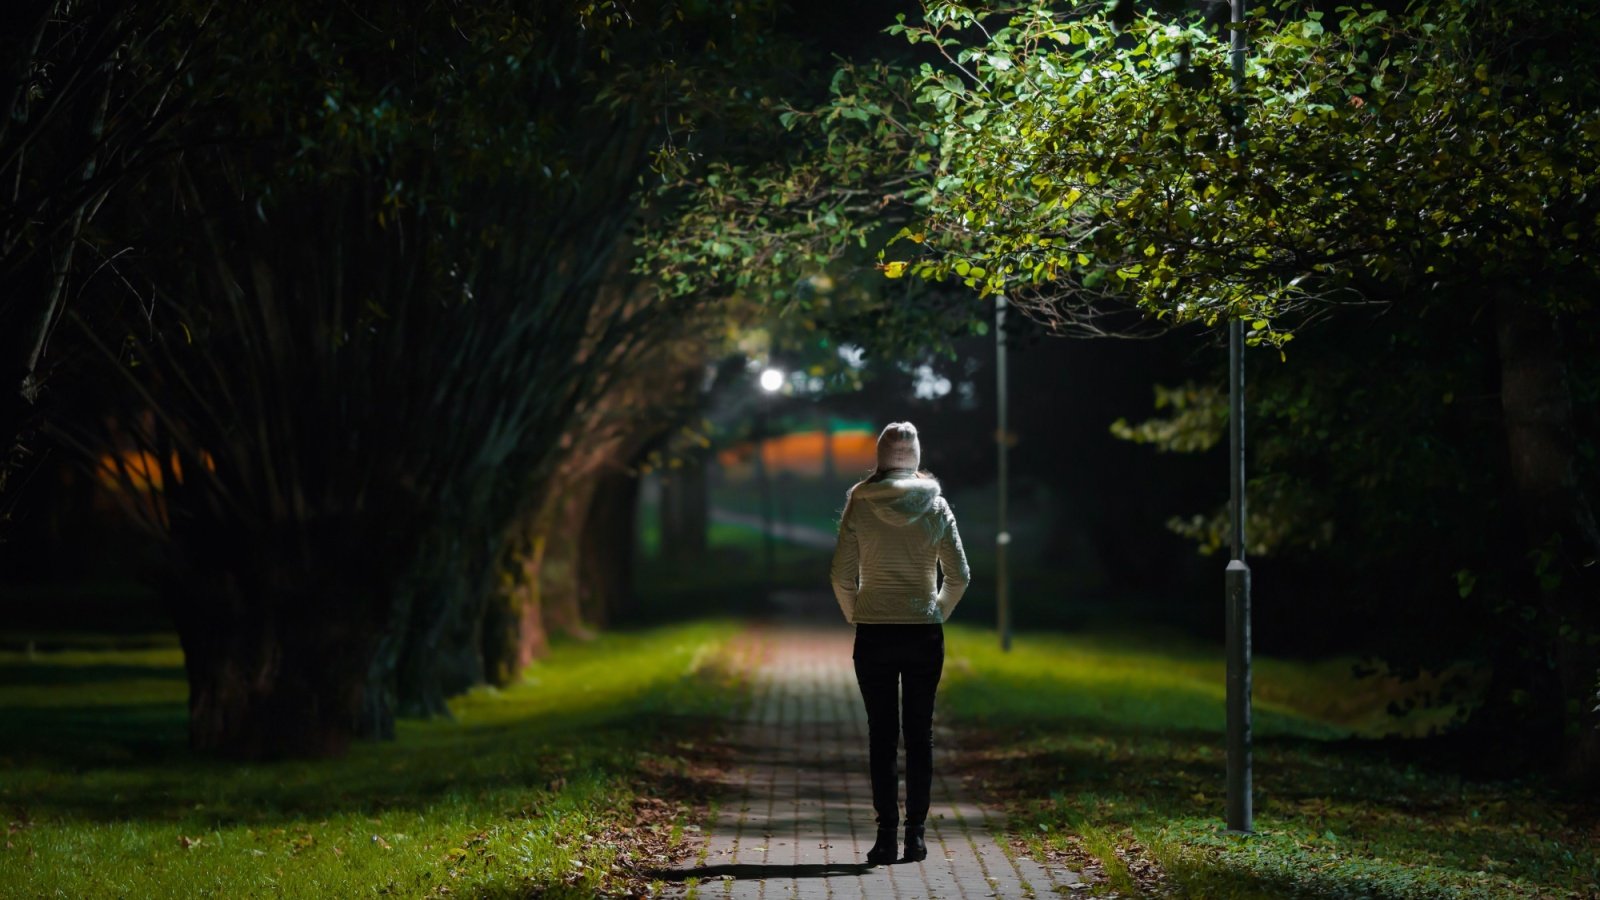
771	380
928	384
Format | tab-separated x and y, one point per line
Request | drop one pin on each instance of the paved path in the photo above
795	819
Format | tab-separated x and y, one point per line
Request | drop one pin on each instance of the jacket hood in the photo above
900	498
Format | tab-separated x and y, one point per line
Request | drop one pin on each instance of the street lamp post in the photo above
771	381
1002	538
1237	577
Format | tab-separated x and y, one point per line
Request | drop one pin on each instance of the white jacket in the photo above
891	536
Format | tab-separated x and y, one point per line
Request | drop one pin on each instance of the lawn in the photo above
1108	751
537	789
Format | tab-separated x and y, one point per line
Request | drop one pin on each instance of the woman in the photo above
895	530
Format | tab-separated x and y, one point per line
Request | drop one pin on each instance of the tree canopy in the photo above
386	322
1098	166
1369	156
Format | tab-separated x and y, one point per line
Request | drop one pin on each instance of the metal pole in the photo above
1236	439
1002	437
1237	583
1237	576
765	479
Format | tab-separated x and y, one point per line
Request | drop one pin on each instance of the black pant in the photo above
891	659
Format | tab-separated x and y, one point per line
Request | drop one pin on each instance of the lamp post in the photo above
1237	576
771	380
1002	537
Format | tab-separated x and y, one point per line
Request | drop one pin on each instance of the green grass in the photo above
730	581
1102	744
103	799
812	502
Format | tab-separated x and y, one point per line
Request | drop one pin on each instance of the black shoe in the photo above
916	850
882	853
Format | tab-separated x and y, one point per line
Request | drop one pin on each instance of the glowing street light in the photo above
771	380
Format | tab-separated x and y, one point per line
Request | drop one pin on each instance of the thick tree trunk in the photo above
271	682
1558	520
380	699
561	603
279	626
605	549
513	628
461	664
442	654
419	692
532	641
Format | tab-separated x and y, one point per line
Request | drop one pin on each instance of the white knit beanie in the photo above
898	447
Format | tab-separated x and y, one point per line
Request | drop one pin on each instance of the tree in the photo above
92	92
1444	159
1098	167
378	326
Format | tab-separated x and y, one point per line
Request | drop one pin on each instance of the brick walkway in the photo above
795	819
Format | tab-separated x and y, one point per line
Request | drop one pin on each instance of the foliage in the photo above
1280	514
378	329
766	221
1121	738
1197	422
104	800
1083	162
1441	160
1326	437
791	223
92	94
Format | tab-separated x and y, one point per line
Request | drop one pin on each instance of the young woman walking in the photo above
895	531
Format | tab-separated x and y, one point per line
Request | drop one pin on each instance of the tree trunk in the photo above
375	721
559	583
461	664
532	641
605	548
419	692
513	633
271	682
442	653
1557	518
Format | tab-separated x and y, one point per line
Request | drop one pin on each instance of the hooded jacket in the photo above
891	536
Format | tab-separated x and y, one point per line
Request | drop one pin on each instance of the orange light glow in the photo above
140	470
801	453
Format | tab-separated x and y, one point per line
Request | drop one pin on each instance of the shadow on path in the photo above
748	871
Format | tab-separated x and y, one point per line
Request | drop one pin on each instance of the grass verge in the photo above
566	785
1108	752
